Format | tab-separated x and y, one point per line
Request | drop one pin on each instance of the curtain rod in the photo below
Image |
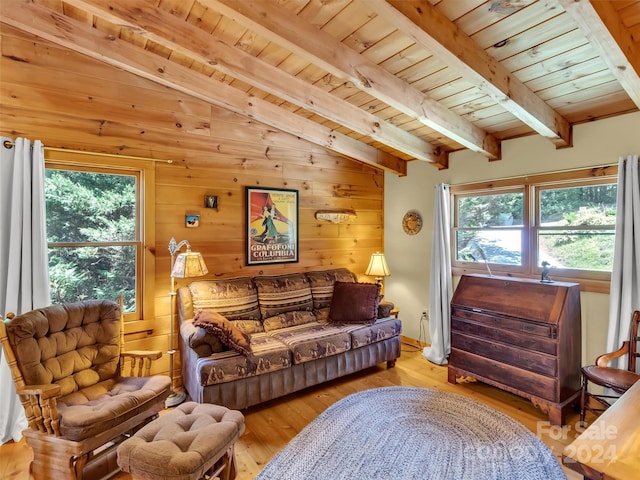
10	144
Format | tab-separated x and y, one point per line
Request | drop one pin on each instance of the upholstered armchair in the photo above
68	366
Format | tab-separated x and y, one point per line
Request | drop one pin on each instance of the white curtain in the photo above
24	275
624	295
440	281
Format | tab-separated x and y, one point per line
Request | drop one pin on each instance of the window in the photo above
576	226
490	227
95	233
512	226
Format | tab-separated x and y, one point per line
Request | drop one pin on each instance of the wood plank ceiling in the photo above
380	81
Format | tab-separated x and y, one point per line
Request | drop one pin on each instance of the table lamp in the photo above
378	267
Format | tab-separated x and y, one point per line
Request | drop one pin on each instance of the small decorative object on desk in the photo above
546	268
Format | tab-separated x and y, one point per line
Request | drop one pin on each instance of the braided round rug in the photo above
403	433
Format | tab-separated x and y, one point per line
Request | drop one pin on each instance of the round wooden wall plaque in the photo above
412	222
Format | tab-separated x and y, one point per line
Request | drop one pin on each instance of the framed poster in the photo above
271	226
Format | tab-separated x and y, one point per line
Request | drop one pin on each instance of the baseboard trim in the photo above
413	342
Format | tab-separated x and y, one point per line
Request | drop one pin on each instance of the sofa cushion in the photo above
235	298
289	319
365	334
283	293
249	326
227	332
313	340
201	341
354	302
322	282
269	355
96	408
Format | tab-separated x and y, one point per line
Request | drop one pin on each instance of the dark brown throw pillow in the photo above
226	331
354	302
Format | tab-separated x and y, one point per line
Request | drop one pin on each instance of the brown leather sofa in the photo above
67	363
295	343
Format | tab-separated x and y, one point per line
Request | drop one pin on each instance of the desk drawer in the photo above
513	355
511	337
512	377
508	323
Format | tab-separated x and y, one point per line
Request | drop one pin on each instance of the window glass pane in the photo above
503	209
90	206
499	246
82	273
577	249
87	214
586	205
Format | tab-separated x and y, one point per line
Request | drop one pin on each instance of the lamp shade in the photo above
378	266
189	264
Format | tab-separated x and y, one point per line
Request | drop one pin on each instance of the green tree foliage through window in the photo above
577	226
91	231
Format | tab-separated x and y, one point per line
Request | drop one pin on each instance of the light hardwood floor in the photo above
271	425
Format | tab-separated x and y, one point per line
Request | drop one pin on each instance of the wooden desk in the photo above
610	447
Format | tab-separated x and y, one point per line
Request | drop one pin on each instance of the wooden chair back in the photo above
634	342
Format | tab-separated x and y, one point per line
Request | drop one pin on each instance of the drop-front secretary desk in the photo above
520	335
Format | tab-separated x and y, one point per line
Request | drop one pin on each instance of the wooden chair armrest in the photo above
44	391
604	359
41	407
151	354
140	361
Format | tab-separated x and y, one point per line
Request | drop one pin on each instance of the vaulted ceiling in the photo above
380	81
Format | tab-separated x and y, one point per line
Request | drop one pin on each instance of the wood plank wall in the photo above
70	101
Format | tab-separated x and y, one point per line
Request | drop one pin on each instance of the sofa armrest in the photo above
384	309
141	361
41	407
201	341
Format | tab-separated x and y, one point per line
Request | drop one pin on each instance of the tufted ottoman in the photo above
184	444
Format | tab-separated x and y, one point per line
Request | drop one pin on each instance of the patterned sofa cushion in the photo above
289	319
283	293
364	334
235	298
269	355
313	340
322	284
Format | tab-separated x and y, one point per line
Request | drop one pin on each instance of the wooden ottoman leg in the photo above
229	471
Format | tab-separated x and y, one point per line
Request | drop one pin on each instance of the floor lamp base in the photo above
176	398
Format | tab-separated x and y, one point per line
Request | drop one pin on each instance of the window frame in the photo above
590	280
144	171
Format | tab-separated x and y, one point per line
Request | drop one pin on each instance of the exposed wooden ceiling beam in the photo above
433	30
175	34
600	23
320	48
77	37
